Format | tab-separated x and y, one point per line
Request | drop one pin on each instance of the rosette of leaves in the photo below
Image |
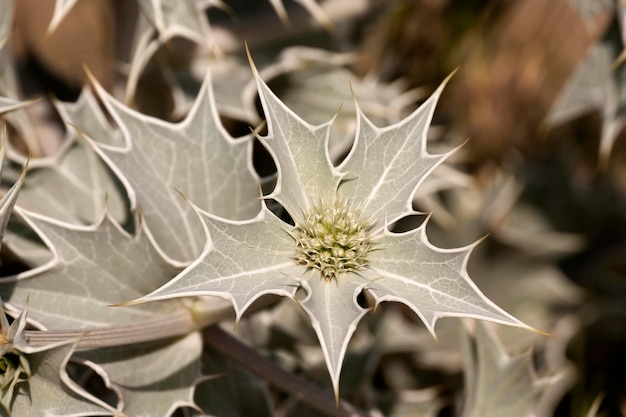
340	243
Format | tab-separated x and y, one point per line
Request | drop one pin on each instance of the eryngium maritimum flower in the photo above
333	239
340	244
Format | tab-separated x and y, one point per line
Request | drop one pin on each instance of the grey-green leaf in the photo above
433	282
34	379
305	174
247	259
8	200
49	390
334	314
597	85
243	261
92	267
497	384
385	166
197	157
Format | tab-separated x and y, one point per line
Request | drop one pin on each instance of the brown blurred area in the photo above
514	59
84	38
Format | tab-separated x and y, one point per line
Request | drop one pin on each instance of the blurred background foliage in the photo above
543	172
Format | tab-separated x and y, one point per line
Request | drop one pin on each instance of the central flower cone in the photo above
333	240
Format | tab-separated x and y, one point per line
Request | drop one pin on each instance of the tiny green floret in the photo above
333	239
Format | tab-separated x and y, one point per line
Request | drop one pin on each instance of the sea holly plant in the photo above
340	243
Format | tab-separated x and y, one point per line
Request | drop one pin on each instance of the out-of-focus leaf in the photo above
177	18
8	80
8	104
422	403
8	200
310	5
589	9
597	85
195	157
83	38
497	384
61	9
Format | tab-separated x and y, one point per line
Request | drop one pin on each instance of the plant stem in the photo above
178	323
232	348
199	313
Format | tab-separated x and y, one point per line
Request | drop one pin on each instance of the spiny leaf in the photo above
246	260
93	267
433	282
319	86
597	85
186	18
197	157
35	381
74	185
340	244
386	166
176	18
305	174
497	384
49	391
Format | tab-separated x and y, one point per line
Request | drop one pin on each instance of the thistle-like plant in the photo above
340	243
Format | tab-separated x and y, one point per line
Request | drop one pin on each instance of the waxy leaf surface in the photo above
197	157
246	259
92	267
74	185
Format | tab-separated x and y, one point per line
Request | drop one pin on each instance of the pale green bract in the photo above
369	190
